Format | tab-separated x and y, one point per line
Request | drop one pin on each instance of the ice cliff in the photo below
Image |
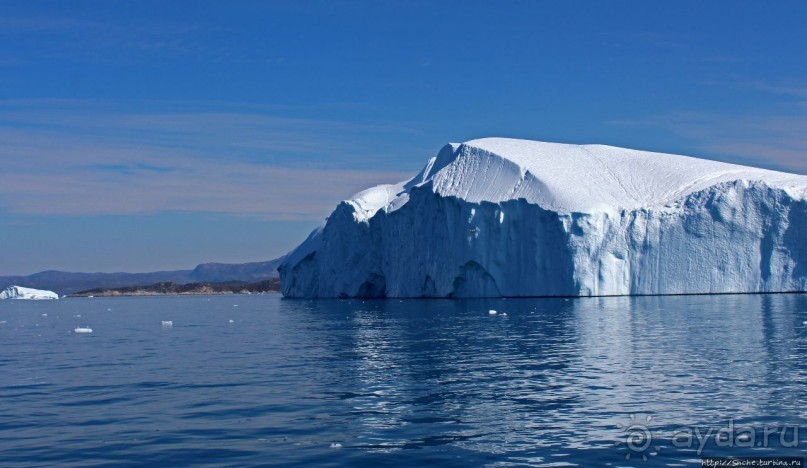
502	217
18	292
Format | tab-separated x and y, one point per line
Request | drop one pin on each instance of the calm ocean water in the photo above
553	382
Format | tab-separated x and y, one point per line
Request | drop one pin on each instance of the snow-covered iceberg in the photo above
18	292
503	217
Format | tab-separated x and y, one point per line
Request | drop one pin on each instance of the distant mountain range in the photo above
64	282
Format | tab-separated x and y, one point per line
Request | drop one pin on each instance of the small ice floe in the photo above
232	321
168	323
109	310
804	323
504	314
90	297
82	330
2	322
235	305
335	445
77	315
492	312
44	315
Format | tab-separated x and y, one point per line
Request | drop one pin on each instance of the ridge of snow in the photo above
584	178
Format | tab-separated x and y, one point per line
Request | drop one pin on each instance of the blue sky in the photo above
146	135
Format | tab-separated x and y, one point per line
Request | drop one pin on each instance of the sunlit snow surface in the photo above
502	217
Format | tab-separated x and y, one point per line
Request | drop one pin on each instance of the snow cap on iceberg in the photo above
580	178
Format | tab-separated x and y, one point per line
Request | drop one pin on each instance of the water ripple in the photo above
552	383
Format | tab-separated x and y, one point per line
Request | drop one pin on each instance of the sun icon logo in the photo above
638	438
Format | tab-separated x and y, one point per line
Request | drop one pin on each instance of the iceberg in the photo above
501	217
18	292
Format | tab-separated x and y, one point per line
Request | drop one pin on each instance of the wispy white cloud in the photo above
85	158
789	89
267	192
182	124
45	24
774	137
88	38
776	141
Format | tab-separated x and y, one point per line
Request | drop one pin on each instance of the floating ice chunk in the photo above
18	292
492	312
504	313
44	315
804	323
235	305
82	330
335	445
168	323
77	315
232	321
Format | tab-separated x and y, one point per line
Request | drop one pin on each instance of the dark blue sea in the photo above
261	380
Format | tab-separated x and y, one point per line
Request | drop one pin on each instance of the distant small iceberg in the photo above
82	330
168	323
18	292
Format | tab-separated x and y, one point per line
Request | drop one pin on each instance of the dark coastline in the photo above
171	288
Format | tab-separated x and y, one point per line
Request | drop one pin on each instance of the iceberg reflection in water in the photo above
405	382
